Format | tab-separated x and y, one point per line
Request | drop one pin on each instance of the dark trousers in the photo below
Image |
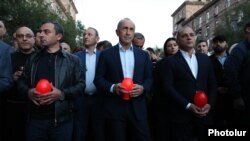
191	131
128	128
16	119
45	130
89	119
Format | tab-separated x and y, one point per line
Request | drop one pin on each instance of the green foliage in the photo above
31	13
79	30
232	17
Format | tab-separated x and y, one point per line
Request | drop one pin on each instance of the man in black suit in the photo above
185	73
116	63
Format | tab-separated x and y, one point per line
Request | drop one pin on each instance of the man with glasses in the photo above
16	105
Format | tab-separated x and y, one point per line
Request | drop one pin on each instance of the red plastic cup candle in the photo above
43	86
128	84
200	99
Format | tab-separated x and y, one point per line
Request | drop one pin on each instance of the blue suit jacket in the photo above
109	72
180	85
82	56
5	67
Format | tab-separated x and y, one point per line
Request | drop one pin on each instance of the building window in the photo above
207	17
200	22
216	23
216	10
228	3
207	33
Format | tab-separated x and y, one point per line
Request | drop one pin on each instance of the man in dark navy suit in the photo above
89	118
185	73
116	63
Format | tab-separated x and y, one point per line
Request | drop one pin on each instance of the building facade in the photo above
206	18
65	8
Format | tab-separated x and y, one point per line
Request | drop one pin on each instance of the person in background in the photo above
138	40
153	57
16	105
102	45
202	47
5	81
65	46
183	74
38	40
77	49
50	115
14	42
126	119
224	104
237	68
2	30
3	33
159	123
170	46
89	118
232	47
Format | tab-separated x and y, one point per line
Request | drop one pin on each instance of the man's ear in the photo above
248	30
59	36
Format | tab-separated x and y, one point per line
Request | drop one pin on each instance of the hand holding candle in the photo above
128	84
200	99
43	86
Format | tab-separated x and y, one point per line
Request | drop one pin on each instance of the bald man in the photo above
16	105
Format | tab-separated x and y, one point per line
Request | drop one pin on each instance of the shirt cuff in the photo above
112	88
187	107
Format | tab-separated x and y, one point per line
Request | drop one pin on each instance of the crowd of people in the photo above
86	101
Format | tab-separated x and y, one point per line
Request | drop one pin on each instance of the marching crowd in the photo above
85	102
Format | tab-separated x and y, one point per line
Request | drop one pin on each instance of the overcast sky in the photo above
151	17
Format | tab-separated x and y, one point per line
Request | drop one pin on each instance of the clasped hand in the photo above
136	91
44	99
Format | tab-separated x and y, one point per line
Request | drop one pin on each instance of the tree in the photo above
32	13
79	31
232	23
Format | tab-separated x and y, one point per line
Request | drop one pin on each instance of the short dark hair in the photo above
247	25
150	50
96	32
58	27
139	35
219	38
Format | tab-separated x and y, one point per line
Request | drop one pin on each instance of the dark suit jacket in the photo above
109	72
180	85
5	66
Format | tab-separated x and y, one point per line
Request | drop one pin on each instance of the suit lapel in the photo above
117	60
199	62
97	56
136	62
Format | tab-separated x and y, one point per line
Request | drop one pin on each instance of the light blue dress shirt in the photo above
90	72
127	61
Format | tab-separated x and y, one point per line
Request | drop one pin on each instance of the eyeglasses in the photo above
21	36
